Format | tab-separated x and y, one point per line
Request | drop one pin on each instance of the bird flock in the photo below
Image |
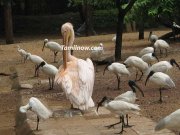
76	78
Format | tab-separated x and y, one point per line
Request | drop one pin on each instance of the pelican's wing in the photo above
86	80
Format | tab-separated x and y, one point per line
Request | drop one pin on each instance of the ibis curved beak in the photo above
4	74
99	104
43	46
147	79
139	89
177	65
156	57
105	69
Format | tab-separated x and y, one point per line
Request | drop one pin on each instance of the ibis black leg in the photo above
112	125
37	127
55	54
118	79
50	83
160	92
166	52
122	127
127	119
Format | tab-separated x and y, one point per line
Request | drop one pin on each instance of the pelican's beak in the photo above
43	46
105	69
65	43
139	89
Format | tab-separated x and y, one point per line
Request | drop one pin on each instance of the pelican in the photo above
76	76
161	79
119	107
164	66
161	44
171	122
53	46
118	69
22	52
130	96
36	60
146	50
152	38
50	70
38	108
149	58
138	63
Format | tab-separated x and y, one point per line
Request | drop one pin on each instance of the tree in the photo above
8	21
122	11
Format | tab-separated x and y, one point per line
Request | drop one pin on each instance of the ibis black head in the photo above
150	33
106	67
155	56
150	74
40	65
173	61
101	102
133	84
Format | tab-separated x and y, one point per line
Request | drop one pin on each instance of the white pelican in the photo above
171	122
50	70
161	44
119	107
22	52
53	46
38	108
149	58
36	60
76	76
164	66
146	50
152	38
161	79
118	69
129	96
138	63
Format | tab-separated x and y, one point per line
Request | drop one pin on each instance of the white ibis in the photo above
152	38
53	46
138	63
49	70
75	76
97	53
120	108
171	122
36	60
129	96
146	50
161	79
22	52
36	106
118	69
164	66
149	58
161	44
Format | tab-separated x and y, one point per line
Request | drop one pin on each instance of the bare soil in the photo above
104	85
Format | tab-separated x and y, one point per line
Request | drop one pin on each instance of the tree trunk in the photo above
141	30
119	34
8	23
88	19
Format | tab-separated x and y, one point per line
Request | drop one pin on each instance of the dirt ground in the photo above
104	85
